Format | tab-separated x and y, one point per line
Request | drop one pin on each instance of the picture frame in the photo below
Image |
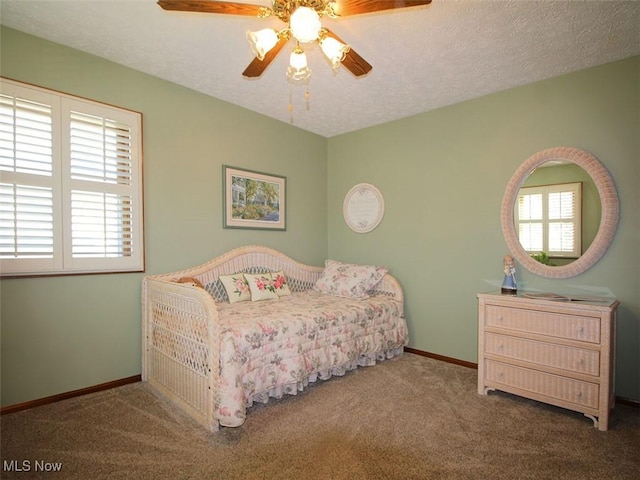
363	208
253	200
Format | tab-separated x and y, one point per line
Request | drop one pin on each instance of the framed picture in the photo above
363	208
253	199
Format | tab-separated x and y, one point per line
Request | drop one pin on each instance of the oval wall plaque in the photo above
363	208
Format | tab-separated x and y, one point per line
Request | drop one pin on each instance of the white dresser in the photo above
557	352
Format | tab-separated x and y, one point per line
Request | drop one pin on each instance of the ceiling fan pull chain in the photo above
307	95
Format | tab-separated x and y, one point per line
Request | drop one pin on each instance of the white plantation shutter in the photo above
26	221
530	227
549	219
562	216
27	181
100	149
101	225
104	200
71	185
26	136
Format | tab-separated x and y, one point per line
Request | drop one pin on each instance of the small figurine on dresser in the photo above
509	284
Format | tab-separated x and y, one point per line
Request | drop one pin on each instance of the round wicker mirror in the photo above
608	222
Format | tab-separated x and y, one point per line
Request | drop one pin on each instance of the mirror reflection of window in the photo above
599	206
548	219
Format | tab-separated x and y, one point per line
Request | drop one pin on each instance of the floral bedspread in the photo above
276	347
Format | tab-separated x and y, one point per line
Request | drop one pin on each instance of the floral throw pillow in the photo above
236	287
280	283
348	280
261	286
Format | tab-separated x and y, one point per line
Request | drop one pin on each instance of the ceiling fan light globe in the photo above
262	41
298	75
305	24
298	58
298	67
334	50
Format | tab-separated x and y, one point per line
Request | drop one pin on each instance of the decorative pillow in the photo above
348	280
236	287
280	283
261	286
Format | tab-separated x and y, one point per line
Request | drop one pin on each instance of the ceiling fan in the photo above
303	26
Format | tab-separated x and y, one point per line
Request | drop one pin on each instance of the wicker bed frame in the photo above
180	321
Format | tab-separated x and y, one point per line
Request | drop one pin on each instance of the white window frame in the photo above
64	259
545	222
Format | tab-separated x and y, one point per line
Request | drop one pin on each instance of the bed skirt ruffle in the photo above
293	388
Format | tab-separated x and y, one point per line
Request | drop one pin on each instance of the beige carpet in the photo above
407	418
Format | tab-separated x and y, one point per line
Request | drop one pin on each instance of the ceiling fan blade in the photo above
356	7
356	64
231	8
352	61
257	66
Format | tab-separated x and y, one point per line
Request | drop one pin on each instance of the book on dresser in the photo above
558	352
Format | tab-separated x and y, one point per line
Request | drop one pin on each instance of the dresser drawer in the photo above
574	327
553	386
579	360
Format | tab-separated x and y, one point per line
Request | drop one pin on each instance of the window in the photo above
70	184
548	219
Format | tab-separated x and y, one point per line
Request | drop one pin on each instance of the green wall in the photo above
65	333
443	175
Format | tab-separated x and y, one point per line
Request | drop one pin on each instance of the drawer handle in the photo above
580	364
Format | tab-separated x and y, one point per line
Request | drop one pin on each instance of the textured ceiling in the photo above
423	57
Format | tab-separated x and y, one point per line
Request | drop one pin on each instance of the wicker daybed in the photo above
213	355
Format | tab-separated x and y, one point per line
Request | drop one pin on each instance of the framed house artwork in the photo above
253	199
